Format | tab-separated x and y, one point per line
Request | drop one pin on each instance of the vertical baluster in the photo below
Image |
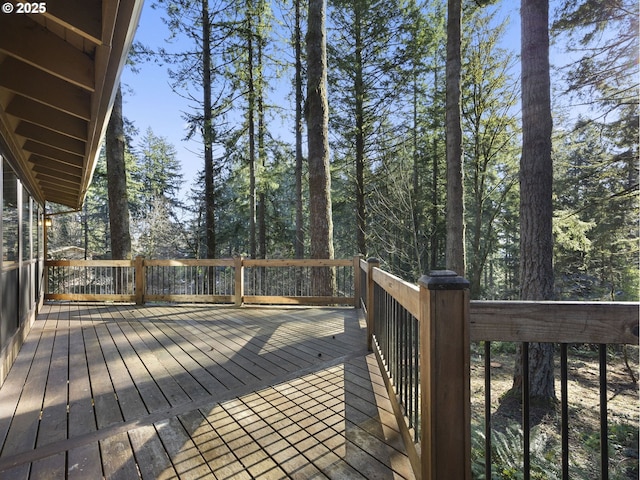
416	379
165	279
487	410
526	426
398	346
389	321
405	348
394	341
410	366
564	392
604	427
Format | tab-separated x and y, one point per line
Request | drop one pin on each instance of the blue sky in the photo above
149	101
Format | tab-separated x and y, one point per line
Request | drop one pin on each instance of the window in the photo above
26	225
9	216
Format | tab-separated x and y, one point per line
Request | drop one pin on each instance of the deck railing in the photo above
236	280
421	335
436	322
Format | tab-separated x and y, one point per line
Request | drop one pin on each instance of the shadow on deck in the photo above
199	392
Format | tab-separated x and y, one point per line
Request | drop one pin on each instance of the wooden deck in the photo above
197	392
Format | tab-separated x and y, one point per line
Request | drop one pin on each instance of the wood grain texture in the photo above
561	322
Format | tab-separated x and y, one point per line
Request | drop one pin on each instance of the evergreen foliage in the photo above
387	134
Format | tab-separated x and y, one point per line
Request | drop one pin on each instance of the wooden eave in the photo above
59	72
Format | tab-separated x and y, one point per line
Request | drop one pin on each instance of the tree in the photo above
405	142
490	141
156	209
536	186
596	218
248	79
299	126
455	255
195	78
605	35
320	212
158	172
600	154
426	59
361	51
95	214
117	183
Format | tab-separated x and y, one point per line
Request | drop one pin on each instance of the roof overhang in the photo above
59	73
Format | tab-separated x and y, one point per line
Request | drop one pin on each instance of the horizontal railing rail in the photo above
554	322
237	280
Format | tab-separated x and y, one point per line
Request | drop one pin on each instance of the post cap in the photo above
373	260
443	280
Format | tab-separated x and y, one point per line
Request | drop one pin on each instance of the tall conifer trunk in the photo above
251	110
359	90
207	133
455	257
262	195
117	184
321	223
299	241
536	178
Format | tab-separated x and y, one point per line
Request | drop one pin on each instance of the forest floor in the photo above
584	416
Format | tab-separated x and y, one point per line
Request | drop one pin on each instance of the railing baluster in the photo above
526	425
405	355
604	427
487	410
416	378
564	406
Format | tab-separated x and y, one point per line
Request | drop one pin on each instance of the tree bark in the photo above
262	196
321	223
252	139
536	179
299	241
361	211
207	133
117	184
455	256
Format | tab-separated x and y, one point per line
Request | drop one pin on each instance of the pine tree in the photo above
117	183
536	183
197	77
490	140
320	211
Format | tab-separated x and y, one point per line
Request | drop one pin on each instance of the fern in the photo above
507	455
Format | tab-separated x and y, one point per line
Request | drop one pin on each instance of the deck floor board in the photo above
193	392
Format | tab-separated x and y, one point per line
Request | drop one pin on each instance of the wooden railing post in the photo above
140	280
357	275
371	264
239	281
444	371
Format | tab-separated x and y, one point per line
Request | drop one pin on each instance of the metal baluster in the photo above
564	392
526	426
416	366
405	347
487	410
604	427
